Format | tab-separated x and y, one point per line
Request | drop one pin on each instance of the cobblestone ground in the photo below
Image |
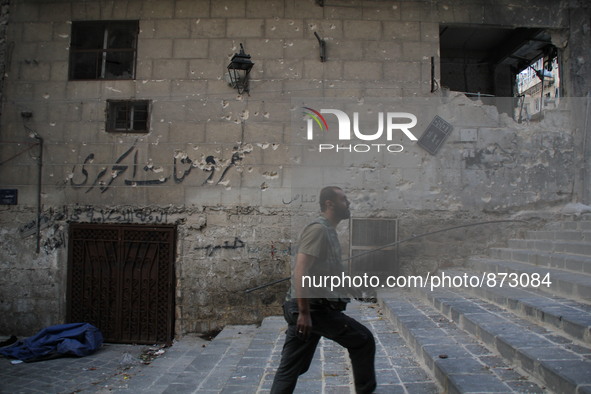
113	363
114	366
242	359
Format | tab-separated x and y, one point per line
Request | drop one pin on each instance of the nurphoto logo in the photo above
388	125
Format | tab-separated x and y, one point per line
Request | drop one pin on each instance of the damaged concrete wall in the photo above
4	16
222	166
576	70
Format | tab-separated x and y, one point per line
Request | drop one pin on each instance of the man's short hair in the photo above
328	193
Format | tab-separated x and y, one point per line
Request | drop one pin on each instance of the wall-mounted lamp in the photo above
238	70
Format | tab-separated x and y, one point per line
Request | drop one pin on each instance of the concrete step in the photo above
561	260
572	319
560	235
458	361
582	248
564	283
582	224
562	366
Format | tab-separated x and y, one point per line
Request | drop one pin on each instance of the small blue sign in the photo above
8	196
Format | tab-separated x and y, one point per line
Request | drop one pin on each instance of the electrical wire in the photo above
397	243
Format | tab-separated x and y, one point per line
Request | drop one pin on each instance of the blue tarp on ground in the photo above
73	339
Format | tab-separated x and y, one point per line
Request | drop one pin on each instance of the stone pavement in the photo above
241	359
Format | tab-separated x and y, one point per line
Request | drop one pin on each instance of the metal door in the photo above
121	279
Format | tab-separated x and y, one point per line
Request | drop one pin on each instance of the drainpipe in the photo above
585	171
39	185
26	115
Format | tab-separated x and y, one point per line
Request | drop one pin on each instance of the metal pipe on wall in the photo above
39	186
585	167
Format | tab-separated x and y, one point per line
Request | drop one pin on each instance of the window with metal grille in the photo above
128	116
103	50
369	250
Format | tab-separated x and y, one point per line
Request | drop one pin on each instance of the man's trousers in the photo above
297	353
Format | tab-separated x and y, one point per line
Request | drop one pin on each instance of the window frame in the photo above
129	108
101	55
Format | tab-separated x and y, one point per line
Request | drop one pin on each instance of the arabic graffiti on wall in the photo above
127	167
54	237
92	214
303	198
275	250
237	244
52	219
271	250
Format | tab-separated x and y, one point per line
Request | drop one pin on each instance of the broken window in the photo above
486	62
103	50
128	116
538	87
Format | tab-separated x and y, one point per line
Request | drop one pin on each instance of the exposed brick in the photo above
284	28
190	48
402	30
155	48
170	69
387	12
191	9
169	28
206	68
234	9
35	32
264	8
362	70
362	30
241	28
208	28
223	132
60	11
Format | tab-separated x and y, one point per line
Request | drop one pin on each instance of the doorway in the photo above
121	279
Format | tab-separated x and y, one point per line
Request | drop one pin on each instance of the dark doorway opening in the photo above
121	279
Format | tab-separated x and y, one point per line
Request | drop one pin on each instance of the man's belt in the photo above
324	304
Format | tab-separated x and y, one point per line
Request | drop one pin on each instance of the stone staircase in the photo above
541	333
475	339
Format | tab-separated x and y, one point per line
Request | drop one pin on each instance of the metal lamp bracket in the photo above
322	44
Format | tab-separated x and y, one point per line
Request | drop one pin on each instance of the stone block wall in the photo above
226	168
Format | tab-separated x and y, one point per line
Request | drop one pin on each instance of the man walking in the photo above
309	317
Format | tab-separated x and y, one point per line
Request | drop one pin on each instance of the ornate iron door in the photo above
121	279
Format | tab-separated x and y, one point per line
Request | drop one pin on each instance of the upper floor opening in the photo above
487	62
